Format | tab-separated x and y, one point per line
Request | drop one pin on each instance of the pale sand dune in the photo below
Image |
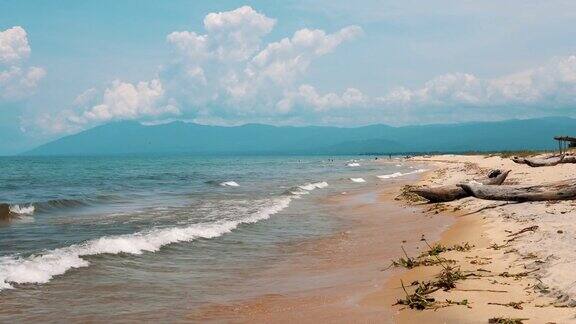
549	250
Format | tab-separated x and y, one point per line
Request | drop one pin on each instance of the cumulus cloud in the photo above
225	73
551	85
17	83
16	80
130	101
13	45
119	101
228	71
308	96
237	33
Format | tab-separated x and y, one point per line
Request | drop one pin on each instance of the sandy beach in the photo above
516	257
522	252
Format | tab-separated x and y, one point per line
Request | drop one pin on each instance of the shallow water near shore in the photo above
107	238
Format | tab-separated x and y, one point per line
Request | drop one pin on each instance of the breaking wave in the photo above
42	268
358	180
7	211
305	189
400	174
222	183
229	184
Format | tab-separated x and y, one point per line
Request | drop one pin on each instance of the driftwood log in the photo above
562	190
454	192
548	161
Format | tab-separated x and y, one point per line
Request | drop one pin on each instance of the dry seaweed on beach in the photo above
436	249
524	230
495	246
519	275
448	277
420	301
409	262
515	305
415	300
506	320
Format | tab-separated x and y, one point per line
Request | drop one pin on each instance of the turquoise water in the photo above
157	233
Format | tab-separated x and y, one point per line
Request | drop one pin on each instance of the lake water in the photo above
109	238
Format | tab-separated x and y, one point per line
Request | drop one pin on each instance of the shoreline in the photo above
508	282
330	278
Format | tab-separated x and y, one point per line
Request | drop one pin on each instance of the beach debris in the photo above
449	302
480	262
454	192
519	275
506	320
420	300
406	194
495	246
542	162
415	300
515	305
438	248
562	190
448	277
487	290
409	262
524	230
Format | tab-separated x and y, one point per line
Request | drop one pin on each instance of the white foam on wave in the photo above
392	175
358	180
43	267
400	174
22	210
315	185
229	184
353	164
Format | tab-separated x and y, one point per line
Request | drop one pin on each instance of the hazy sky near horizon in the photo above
69	65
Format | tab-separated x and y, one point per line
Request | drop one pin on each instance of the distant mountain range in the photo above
129	137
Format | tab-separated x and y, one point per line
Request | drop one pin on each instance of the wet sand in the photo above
332	279
517	274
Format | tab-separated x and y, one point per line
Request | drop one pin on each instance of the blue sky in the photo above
70	65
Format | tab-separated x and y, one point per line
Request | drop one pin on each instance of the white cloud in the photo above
307	96
237	33
130	101
283	61
229	73
121	100
16	81
13	45
548	86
